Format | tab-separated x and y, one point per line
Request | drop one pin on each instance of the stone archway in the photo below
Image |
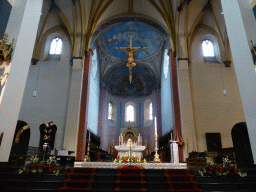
242	146
21	139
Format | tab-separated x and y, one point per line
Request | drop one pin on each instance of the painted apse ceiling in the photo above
115	73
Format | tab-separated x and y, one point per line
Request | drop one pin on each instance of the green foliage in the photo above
215	170
35	166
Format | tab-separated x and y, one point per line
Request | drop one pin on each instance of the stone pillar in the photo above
72	120
82	129
188	124
11	96
241	27
174	151
176	99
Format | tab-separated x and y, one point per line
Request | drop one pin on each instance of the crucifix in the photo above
130	50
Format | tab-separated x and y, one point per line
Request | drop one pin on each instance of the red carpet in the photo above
180	180
79	179
130	178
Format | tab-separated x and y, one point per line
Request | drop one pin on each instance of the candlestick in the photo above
156	156
87	157
171	136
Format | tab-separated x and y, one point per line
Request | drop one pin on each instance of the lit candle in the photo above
171	135
155	126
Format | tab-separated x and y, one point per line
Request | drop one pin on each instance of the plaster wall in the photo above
109	133
51	80
213	112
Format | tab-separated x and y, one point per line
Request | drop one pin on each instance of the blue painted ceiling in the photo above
115	73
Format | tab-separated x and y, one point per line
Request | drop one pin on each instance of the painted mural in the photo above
143	82
119	36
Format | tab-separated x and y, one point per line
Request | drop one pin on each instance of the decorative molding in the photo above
34	61
6	74
227	63
5	50
179	59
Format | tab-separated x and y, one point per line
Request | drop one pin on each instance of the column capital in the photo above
227	63
88	52
171	53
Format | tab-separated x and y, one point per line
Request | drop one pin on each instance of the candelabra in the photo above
156	156
87	157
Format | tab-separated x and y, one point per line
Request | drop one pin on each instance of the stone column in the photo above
241	27
176	99
82	129
188	124
72	120
11	96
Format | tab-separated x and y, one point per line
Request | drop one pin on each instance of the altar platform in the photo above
112	165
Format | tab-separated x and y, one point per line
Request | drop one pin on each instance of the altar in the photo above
130	144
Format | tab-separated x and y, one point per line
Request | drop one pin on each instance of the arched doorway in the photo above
21	139
242	146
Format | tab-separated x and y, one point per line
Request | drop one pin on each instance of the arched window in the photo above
129	113
208	48
56	46
110	111
150	111
166	63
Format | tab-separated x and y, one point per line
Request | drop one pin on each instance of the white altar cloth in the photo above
111	165
125	150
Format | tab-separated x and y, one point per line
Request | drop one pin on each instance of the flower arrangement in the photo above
216	170
126	159
35	166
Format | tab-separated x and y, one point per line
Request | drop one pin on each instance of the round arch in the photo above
21	139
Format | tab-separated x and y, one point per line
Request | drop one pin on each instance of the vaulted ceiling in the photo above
162	24
121	33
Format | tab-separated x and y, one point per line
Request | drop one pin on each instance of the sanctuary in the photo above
156	79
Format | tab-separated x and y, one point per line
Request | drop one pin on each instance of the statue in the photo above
129	142
47	138
130	50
